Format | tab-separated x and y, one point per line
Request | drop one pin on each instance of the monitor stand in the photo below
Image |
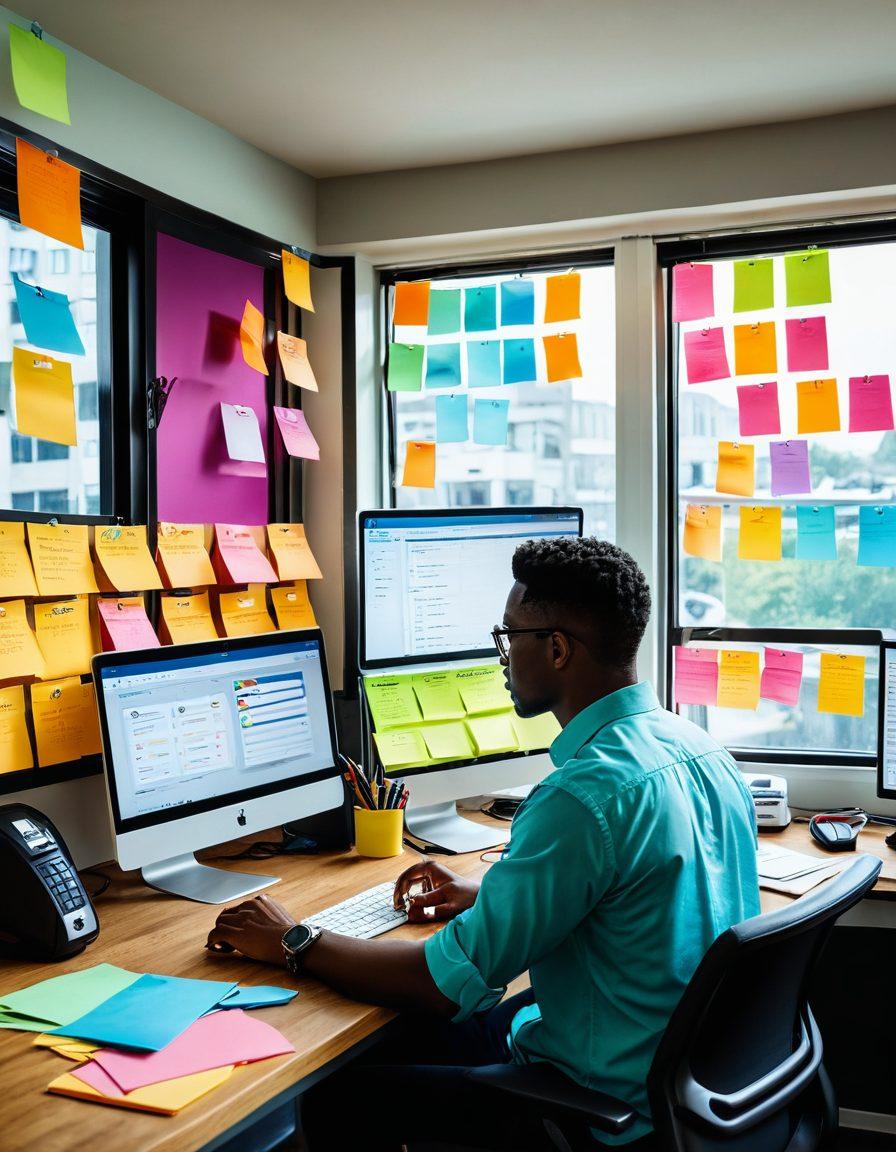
185	876
440	825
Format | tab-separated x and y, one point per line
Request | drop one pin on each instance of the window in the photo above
23	261
22	501
46	450
21	449
88	407
55	500
59	261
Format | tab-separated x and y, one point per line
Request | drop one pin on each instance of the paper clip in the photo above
37	30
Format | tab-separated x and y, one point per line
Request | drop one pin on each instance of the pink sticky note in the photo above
124	625
790	467
870	404
704	354
692	297
782	676
238	559
297	436
807	344
696	675
757	409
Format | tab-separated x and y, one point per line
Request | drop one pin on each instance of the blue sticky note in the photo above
480	308
816	536
443	366
444	311
483	363
451	419
519	362
258	996
490	421
877	537
47	318
517	302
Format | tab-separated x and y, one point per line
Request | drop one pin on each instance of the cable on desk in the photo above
105	881
290	844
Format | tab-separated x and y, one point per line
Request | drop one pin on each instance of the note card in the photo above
808	278
38	74
392	701
705	356
451	419
419	464
438	696
480	308
807	344
757	409
16	573
870	404
790	467
561	355
816	536
298	438
703	531
492	734
49	194
44	397
124	560
292	607
404	372
817	406
124	624
444	311
443	366
696	675
782	675
738	679
490	422
562	297
15	747
62	628
297	280
411	305
294	361
736	469
238	559
755	349
483	689
65	720
877	537
244	614
517	302
20	656
841	684
484	363
692	293
252	338
47	318
760	534
60	555
401	749
519	362
447	741
754	285
183	561
186	619
242	435
293	558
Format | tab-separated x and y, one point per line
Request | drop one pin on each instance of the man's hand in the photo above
254	928
445	892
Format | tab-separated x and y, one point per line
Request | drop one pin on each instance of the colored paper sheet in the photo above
483	363
186	619
755	349
292	553
238	558
760	534
38	74
182	558
816	536
16	573
696	675
419	464
392	701
870	404
738	679
65	721
62	628
411	307
294	361
20	656
44	397
49	194
259	996
292	607
451	419
757	409
15	746
492	734
401	749
124	559
443	366
297	436
705	356
244	614
782	675
807	344
124	624
47	318
490	421
297	280
444	311
447	741
242	435
438	696
561	355
877	537
790	467
535	733
60	556
61	999
165	1099
77	1050
703	531
252	338
754	285
519	362
817	406
562	297
736	473
692	293
841	684
808	278
483	688
517	302
405	369
480	308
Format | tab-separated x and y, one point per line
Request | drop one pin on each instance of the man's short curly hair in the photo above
593	579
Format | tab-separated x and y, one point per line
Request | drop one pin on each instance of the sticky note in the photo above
703	531
755	349
705	356
519	362
444	311
754	285
124	625
401	749
483	689
419	464
817	406
480	308
447	741
757	409
49	194
65	720
736	469
297	280
186	619
244	614
534	733
44	397
298	438
124	560
738	679
404	372
877	537
561	355
392	701
166	1098
692	292
242	434
257	996
760	534
870	404
451	419
238	559
60	556
696	675
183	561
16	573
62	629
443	366
294	360
252	338
411	306
293	558
38	74
517	302
492	734
816	536
47	318
292	607
782	675
790	467
20	655
484	363
15	746
438	696
490	421
562	297
807	344
841	684
61	999
808	278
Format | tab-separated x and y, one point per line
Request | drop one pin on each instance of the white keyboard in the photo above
363	916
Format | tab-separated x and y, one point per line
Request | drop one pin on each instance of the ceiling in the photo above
337	87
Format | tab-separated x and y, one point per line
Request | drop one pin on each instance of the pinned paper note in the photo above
292	607
444	311
535	733
252	338
124	624
186	619
238	559
297	436
870	404
492	735
490	421
738	679
182	558
447	741
696	675
62	628
808	278
65	721
562	297
760	534
561	355
782	675
877	537
816	537
480	308
16	573
49	194
841	684
438	696
401	749
20	656
754	285
443	366
519	362
38	74
60	555
242	436
807	344
692	292
293	558
790	467
244	614
757	409
451	419
15	747
703	531
419	464
517	302
297	280
294	360
817	406
44	397
125	563
736	469
411	307
705	356
755	349
483	688
47	318
392	701
405	368
484	363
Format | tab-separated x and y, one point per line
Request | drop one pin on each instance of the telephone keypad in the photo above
62	883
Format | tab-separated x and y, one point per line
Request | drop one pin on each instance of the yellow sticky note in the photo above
401	749
294	358
15	747
755	349
292	553
297	280
760	534
534	733
841	684
20	656
44	397
817	406
411	307
16	573
62	628
60	556
419	465
186	619
738	679
561	355
124	559
736	471
252	338
492	734
447	741
562	297
167	1097
292	607
49	194
182	556
65	720
245	614
703	531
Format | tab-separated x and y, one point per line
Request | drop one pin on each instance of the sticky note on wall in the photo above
492	735
60	556
296	279
38	74
401	749
238	559
392	701
62	628
292	553
124	560
245	614
242	436
447	741
696	678
252	338
15	747
44	397
49	192
124	625
186	619
182	558
20	656
483	689
16	573
298	439
760	534
438	696
65	720
294	361
703	531
841	684
782	675
738	679
292	607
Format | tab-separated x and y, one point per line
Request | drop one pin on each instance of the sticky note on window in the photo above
692	292
705	356
298	438
562	297
841	684
244	614
807	344
294	361
183	561
483	689
16	573
754	285
738	679
816	536
480	308
517	302
443	366
490	421
757	409
484	363
292	607
124	624
817	406
782	676
492	735
447	741
696	675
755	349
703	531
186	619
870	404
444	311
401	749
20	656
519	362
561	355
877	537
252	338
736	469
404	372
62	628
808	278
411	304
15	747
451	419
790	467
419	464
60	556
297	280
65	720
38	74
292	553
242	437
238	559
44	397
391	701
124	560
760	534
47	318
49	194
437	695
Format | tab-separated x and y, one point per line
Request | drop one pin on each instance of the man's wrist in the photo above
296	942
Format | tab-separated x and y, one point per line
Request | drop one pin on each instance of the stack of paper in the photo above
794	873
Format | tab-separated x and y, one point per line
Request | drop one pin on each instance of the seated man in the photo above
625	863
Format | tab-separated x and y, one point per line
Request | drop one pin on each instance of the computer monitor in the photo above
886	722
206	742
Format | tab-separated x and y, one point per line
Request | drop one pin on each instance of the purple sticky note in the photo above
757	409
790	467
807	344
692	297
696	675
782	675
704	354
870	404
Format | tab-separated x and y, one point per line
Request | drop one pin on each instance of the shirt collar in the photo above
586	724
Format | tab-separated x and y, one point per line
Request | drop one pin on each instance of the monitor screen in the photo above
886	721
434	584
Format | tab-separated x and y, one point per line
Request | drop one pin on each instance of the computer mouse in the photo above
837	832
890	841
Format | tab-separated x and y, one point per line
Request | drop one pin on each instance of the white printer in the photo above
769	799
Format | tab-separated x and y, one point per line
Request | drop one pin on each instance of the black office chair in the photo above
738	1068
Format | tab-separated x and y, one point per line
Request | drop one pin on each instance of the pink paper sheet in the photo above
128	626
757	407
870	404
297	436
696	675
692	295
782	676
807	345
241	556
704	354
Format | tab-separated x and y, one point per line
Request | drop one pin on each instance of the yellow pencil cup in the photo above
378	833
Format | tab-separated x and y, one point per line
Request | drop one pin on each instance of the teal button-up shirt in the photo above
625	864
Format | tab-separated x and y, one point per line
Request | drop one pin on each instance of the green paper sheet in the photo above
535	733
444	312
808	277
492	734
38	74
392	701
447	741
63	999
754	285
405	371
483	689
437	696
401	749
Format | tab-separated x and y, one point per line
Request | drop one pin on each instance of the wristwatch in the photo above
296	942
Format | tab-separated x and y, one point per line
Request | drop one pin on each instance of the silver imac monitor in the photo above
206	742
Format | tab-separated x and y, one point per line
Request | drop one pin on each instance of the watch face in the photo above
297	937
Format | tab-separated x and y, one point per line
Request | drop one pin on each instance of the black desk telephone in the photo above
45	912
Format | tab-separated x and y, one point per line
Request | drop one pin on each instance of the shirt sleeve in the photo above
560	863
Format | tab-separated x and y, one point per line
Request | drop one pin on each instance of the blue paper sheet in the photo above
877	537
480	309
517	302
483	363
490	421
47	318
451	419
258	996
443	366
816	537
519	362
444	311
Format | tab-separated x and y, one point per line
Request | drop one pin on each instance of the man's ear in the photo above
561	649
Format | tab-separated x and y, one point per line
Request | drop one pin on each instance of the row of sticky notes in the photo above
242	436
452	694
756	350
64	718
490	427
818	406
807	277
489	363
400	749
736	472
418	305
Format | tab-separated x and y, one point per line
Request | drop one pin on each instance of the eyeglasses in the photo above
501	637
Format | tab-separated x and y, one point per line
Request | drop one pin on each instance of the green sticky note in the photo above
483	689
38	74
754	285
392	701
63	999
535	733
405	372
437	696
492	734
401	749
447	741
808	277
444	311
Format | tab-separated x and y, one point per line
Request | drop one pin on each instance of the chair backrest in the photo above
741	1055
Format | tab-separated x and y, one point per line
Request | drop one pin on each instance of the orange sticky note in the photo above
44	397
841	684
124	560
186	619
703	531
20	656
62	628
292	553
411	305
817	406
60	556
252	338
16	573
755	349
294	358
738	679
65	720
245	614
49	194
15	747
297	280
562	357
292	607
166	1098
562	299
419	464
736	471
760	534
181	555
